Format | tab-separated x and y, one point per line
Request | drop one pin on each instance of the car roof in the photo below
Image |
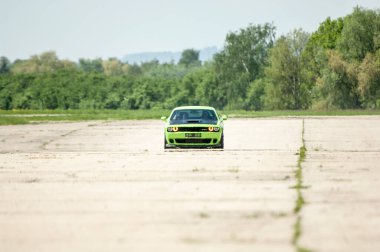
194	107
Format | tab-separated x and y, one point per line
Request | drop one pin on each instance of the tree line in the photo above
335	67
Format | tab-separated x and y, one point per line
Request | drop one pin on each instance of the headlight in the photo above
172	129
215	129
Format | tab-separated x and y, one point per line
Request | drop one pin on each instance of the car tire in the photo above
165	143
221	145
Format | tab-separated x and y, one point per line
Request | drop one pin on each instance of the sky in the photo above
113	28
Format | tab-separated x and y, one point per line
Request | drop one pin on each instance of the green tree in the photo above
42	63
169	71
208	91
369	80
134	70
327	35
149	66
338	85
88	65
5	65
256	95
190	57
112	66
360	32
242	61
289	87
325	38
46	62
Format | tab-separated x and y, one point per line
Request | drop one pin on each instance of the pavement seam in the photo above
300	201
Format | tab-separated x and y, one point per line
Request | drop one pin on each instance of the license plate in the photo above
192	134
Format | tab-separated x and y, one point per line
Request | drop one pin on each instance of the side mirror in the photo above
163	118
224	117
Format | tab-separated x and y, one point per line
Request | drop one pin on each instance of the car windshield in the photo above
193	116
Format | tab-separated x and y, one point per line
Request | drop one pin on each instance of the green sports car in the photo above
194	126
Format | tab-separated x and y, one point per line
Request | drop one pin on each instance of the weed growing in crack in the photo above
233	170
203	215
33	180
300	201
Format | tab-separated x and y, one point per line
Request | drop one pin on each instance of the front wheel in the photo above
221	145
165	143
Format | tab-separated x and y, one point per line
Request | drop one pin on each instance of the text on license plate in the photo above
192	134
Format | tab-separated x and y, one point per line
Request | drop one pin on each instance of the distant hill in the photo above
166	57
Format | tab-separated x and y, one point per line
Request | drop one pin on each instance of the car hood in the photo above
195	125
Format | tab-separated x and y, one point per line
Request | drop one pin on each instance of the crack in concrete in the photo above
300	201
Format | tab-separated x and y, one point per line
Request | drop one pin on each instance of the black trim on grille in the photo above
193	129
192	140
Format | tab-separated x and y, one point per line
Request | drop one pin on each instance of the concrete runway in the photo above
110	186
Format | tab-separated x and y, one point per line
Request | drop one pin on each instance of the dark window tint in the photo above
191	116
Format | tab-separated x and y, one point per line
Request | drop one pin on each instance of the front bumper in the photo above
206	139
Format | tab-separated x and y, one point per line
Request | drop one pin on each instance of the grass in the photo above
233	169
298	113
297	230
300	201
13	117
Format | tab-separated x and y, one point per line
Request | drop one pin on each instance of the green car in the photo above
194	126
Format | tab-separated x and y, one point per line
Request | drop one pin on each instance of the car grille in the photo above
191	140
193	129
